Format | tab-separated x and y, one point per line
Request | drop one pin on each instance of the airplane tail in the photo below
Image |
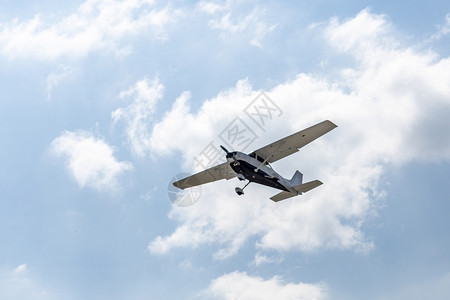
297	179
302	188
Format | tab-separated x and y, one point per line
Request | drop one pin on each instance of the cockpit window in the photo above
259	158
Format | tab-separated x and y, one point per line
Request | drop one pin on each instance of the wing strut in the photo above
268	157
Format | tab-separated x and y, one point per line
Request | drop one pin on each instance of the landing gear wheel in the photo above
239	191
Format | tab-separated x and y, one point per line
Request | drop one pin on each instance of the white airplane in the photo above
255	167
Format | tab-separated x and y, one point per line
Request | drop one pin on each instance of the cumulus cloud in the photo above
361	33
95	25
443	30
19	283
90	160
239	285
264	259
137	116
214	114
391	106
250	25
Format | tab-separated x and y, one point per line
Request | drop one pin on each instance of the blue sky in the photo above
103	102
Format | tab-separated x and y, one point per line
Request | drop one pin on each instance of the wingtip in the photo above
177	185
331	123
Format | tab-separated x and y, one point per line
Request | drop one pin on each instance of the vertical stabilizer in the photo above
297	179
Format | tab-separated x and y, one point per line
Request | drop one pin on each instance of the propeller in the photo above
229	154
224	149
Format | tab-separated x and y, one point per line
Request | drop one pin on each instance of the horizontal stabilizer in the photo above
283	195
302	188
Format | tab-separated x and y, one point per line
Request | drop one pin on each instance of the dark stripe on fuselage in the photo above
246	169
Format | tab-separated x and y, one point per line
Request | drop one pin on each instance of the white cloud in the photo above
19	283
443	30
95	25
264	259
392	108
90	160
210	7
362	33
216	113
56	76
239	285
138	115
226	18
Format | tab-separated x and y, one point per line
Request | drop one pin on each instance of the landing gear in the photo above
240	191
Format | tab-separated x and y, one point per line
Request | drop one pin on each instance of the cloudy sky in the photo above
103	102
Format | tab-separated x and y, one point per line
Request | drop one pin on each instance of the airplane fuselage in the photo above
257	171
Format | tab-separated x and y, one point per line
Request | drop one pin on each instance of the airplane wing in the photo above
222	171
291	144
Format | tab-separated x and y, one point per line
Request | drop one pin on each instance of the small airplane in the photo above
255	167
